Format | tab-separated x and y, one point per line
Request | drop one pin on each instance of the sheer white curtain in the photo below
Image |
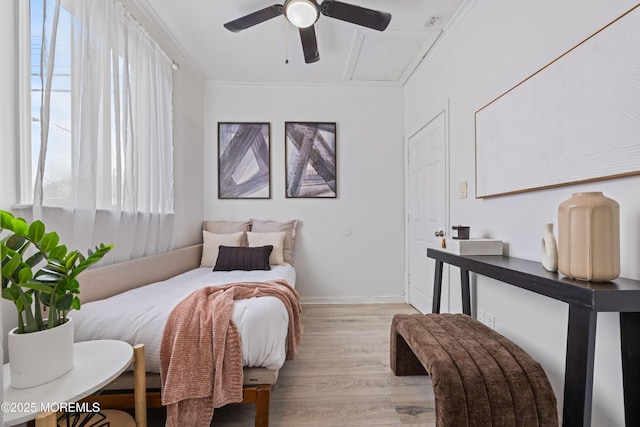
118	184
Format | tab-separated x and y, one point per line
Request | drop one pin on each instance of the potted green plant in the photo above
40	275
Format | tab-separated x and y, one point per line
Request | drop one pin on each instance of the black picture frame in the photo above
310	151
244	160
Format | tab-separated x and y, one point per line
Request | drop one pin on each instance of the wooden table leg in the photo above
466	294
437	287
578	377
630	350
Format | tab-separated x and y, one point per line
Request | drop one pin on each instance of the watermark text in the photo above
20	407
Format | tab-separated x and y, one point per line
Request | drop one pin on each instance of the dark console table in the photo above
585	300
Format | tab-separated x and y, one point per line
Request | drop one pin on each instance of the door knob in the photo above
439	233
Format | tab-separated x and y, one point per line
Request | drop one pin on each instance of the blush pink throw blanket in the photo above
201	354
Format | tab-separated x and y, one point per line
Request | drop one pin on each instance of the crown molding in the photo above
183	58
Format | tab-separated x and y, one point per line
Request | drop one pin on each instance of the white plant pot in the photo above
40	357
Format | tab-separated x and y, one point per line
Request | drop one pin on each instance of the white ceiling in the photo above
348	53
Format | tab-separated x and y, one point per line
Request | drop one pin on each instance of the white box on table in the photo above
474	246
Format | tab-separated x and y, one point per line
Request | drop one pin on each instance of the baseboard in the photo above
397	299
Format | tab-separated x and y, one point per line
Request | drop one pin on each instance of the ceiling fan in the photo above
304	13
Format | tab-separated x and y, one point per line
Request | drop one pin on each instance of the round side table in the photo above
96	364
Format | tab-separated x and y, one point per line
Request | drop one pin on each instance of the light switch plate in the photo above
462	190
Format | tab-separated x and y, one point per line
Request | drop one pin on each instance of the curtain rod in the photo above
174	64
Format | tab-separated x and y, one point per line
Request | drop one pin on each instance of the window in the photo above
58	173
58	170
97	131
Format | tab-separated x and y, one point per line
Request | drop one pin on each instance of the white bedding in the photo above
139	315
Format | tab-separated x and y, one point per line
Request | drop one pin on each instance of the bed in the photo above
131	301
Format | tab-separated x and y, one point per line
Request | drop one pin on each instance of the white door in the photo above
427	205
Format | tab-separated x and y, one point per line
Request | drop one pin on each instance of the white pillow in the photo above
274	239
211	242
268	226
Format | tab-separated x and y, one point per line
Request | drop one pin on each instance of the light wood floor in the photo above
341	376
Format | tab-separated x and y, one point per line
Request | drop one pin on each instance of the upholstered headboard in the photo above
103	282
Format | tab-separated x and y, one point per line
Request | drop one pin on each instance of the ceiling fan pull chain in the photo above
286	42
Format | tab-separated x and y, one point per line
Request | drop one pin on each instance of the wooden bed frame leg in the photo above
263	393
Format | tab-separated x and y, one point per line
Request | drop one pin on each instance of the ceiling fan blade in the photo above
254	18
355	14
309	44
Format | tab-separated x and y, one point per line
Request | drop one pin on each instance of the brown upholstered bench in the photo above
479	377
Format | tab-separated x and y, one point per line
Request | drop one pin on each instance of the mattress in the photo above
139	315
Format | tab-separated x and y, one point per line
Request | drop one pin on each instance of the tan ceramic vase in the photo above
589	237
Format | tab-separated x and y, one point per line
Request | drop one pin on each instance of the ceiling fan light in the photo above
301	13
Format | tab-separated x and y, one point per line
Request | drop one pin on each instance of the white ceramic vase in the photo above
39	357
549	249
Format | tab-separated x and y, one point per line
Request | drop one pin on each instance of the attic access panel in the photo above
388	57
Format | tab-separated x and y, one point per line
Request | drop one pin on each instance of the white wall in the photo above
8	118
188	167
332	266
495	46
8	102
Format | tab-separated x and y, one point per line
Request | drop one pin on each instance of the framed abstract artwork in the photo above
310	159
575	120
244	161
